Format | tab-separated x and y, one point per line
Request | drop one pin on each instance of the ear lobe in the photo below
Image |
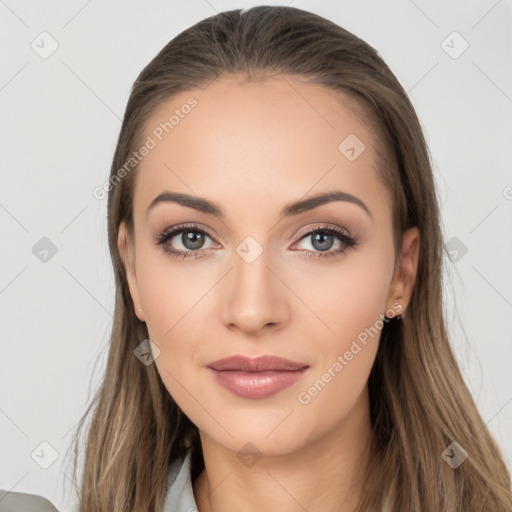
126	249
406	270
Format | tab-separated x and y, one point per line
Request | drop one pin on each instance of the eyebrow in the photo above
204	205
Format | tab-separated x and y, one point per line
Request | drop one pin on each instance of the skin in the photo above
252	148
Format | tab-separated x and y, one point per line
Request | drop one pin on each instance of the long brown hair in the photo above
419	401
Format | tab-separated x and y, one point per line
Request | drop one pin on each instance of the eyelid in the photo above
186	225
326	227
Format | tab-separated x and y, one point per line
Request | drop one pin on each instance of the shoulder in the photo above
22	502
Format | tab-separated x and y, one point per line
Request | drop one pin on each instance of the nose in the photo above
254	297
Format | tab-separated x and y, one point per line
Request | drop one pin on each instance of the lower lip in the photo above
256	384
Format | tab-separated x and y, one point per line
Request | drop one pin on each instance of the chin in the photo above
260	442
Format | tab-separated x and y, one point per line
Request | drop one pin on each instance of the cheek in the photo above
180	310
350	303
169	292
345	301
172	298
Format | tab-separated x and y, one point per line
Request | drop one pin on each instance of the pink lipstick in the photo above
258	377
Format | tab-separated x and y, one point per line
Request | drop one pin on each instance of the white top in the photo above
180	493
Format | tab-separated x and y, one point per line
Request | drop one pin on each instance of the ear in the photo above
126	249
402	285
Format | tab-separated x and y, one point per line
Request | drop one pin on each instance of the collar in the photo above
180	493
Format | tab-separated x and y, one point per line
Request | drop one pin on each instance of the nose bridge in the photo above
255	296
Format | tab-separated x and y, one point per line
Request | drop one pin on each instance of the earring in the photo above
397	307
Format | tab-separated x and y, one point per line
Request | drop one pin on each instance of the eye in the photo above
322	240
190	236
192	239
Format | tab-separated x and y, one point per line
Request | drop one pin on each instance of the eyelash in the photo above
347	240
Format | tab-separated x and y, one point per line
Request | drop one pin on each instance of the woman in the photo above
279	340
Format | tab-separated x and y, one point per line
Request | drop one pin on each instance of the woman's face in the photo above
252	282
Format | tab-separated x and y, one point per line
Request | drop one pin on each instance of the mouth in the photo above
255	378
257	364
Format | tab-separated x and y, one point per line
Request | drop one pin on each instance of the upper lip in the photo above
257	364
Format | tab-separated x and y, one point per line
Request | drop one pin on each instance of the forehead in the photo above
249	139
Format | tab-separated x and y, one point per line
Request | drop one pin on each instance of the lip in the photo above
259	377
255	364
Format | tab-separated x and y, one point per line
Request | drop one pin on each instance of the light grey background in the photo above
60	119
